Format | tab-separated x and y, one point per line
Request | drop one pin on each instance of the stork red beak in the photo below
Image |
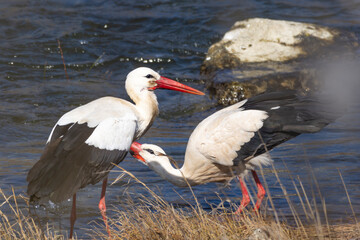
135	150
167	83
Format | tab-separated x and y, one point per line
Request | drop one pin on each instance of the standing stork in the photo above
236	139
86	142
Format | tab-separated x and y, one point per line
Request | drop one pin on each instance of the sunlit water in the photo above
101	43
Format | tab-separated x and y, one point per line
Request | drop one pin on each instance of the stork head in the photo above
148	153
156	159
144	79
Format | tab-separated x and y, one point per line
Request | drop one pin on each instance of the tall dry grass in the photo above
19	225
154	218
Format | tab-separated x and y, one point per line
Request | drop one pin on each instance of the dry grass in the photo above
62	57
19	225
154	218
168	223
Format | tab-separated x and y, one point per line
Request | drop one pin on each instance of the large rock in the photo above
234	90
260	234
272	53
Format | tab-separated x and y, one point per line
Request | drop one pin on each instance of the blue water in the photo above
101	42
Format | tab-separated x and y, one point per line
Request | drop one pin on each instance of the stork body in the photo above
234	140
86	142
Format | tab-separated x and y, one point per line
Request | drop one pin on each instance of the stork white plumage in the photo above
234	140
86	142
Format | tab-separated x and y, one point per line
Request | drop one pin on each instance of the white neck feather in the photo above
164	168
147	107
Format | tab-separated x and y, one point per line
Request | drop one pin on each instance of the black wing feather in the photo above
289	115
59	131
68	164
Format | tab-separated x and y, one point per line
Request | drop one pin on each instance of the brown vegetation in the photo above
154	218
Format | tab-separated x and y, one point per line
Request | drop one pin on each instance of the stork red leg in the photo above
261	191
73	216
102	205
245	196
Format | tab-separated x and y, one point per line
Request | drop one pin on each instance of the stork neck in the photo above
169	173
148	104
148	109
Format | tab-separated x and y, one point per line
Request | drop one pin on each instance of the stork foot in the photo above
261	191
102	206
245	197
72	216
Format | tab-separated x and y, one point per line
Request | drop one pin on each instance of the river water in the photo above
101	42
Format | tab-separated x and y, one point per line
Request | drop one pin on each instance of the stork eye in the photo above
149	76
149	151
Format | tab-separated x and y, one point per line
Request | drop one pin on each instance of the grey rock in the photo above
259	55
260	234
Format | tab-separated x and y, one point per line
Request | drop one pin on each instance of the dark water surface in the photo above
101	42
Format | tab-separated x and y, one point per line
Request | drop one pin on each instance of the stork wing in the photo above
221	135
251	127
81	151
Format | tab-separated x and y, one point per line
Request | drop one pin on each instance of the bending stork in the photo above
86	142
234	140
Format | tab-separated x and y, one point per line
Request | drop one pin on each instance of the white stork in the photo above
86	142
236	139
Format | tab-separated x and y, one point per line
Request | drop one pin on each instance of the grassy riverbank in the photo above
154	218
